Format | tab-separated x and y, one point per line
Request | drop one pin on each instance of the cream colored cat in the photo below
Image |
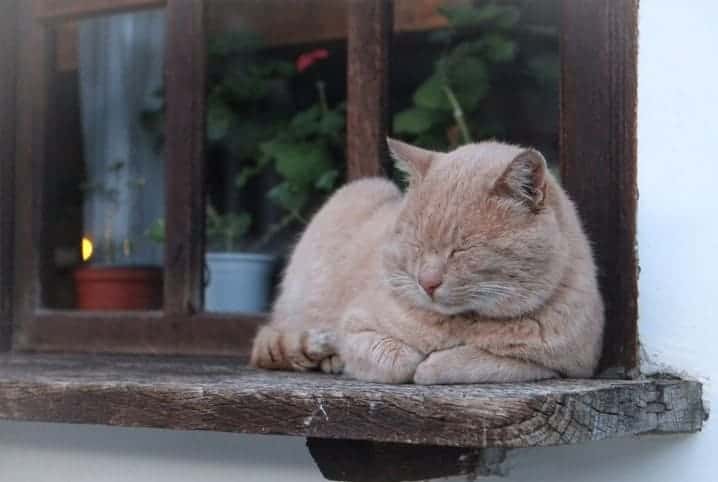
479	273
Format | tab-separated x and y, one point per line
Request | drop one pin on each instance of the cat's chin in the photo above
441	308
449	310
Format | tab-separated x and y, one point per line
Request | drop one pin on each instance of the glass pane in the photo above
475	70
106	173
275	134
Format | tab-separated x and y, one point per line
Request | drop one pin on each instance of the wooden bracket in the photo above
365	461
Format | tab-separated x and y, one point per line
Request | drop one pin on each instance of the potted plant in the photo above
110	277
237	279
479	71
300	156
286	157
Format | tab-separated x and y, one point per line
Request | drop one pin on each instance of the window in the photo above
597	155
191	117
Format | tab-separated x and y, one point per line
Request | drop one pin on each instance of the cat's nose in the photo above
430	282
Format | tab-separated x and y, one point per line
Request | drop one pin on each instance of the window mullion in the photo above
8	66
185	85
370	24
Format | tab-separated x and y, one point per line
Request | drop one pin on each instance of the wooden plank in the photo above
311	21
8	98
149	333
314	21
63	10
369	36
598	154
185	157
30	153
192	394
366	461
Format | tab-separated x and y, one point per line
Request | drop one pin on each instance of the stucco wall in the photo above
678	228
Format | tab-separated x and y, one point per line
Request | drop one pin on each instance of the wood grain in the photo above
8	98
598	154
149	333
311	21
35	47
314	21
191	394
60	10
368	46
185	84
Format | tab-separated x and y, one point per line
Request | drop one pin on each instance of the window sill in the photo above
221	395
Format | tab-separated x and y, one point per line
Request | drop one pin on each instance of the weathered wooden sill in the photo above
221	395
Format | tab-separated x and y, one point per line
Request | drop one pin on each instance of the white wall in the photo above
678	228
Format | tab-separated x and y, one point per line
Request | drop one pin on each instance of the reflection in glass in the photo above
119	176
491	71
276	141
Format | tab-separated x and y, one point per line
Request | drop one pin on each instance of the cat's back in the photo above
338	254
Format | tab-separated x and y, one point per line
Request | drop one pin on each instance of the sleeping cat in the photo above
481	272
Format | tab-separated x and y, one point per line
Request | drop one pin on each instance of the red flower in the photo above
306	60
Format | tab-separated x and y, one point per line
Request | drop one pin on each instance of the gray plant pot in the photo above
239	282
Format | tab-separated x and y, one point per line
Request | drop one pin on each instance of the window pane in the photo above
467	71
275	136
105	169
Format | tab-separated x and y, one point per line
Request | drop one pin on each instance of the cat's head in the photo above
479	231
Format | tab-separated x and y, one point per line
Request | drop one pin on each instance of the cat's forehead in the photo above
473	167
487	155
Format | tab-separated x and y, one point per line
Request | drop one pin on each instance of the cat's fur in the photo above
518	298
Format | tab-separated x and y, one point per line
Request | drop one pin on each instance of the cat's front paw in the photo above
427	374
319	344
333	365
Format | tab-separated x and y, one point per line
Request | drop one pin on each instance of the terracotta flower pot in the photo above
118	287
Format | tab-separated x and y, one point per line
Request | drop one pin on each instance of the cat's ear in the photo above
525	179
411	160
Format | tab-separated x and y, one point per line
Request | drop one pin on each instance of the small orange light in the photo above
87	248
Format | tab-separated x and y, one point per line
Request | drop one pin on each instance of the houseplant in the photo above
237	279
492	68
111	277
285	154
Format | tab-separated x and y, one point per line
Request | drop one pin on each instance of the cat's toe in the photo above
332	365
318	345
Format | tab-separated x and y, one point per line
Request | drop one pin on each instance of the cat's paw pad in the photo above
332	365
318	345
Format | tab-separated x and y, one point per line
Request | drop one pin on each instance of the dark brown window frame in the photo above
597	159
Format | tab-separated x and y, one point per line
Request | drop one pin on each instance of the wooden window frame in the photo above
597	162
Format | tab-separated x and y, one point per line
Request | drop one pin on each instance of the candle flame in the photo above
87	248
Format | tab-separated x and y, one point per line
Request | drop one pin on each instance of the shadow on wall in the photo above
61	448
31	451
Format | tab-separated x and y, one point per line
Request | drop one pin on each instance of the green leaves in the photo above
414	120
219	120
327	181
299	163
430	94
499	48
225	230
468	77
446	105
288	197
156	231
